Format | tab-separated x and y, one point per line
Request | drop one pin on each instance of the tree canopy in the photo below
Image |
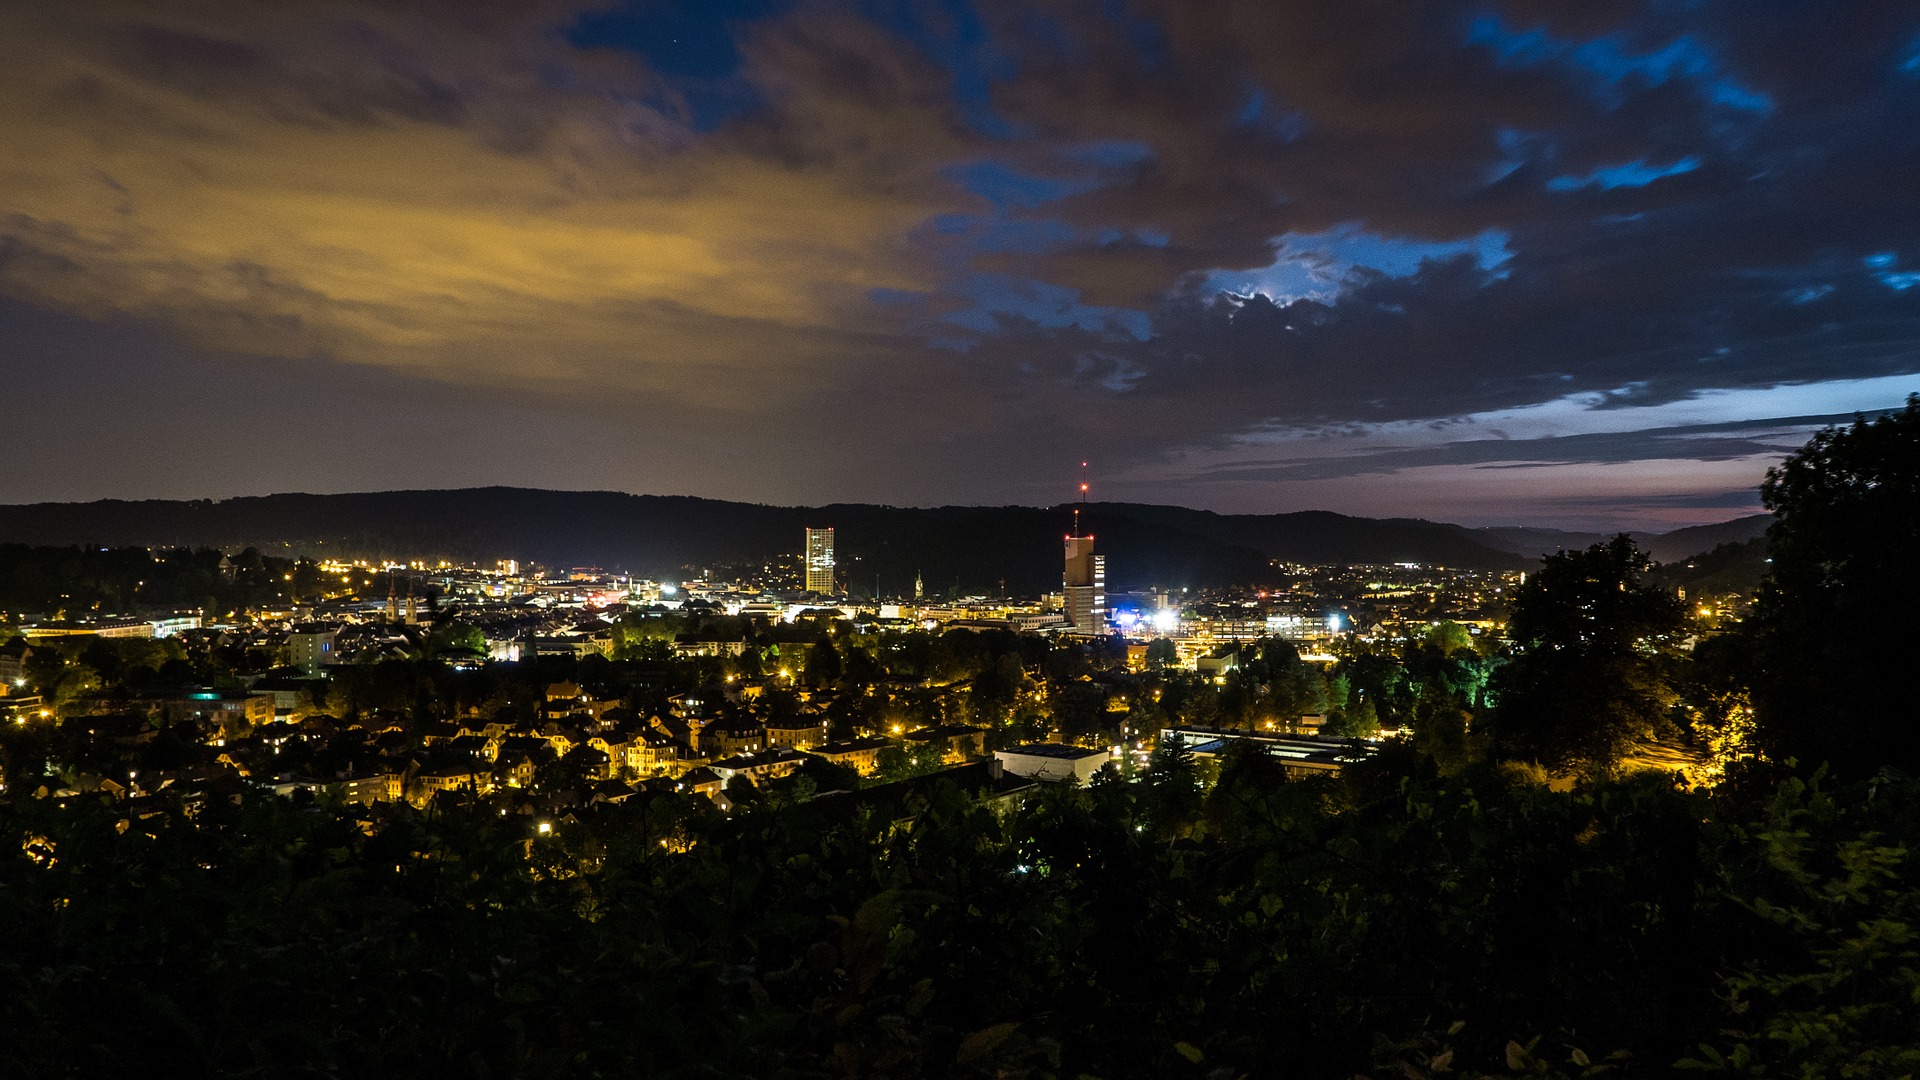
1594	667
1834	632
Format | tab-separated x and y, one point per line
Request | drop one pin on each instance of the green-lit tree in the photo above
1356	721
1449	637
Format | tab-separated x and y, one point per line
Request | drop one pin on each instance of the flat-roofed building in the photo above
1052	761
1296	753
820	560
1084	585
369	788
309	647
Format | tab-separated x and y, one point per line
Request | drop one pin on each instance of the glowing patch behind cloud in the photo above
451	244
1319	264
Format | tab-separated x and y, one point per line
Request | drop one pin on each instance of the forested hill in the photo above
1668	547
971	547
1682	544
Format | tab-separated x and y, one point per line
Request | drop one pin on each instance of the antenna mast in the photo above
1083	499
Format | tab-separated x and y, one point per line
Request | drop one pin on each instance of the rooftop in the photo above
1057	751
777	756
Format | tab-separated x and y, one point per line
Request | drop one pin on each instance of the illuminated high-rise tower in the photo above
1085	579
820	560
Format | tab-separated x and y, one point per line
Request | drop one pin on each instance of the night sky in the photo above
1584	264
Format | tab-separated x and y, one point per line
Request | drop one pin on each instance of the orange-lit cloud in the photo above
422	191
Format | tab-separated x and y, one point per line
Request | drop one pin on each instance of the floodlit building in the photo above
859	755
1052	761
958	742
820	560
371	787
1298	754
174	624
310	646
1085	586
801	732
760	766
1084	582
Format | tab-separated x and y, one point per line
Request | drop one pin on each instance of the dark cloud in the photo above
986	236
1454	339
1746	500
1693	442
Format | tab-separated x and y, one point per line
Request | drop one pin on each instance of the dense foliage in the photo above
76	582
1261	928
1597	647
1834	632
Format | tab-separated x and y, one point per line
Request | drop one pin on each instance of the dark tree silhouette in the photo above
1593	672
1834	629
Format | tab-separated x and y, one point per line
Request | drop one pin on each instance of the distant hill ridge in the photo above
972	548
1664	547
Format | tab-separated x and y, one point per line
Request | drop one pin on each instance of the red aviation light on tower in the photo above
1084	488
1083	578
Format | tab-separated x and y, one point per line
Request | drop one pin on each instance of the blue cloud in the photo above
1320	263
1628	174
1610	59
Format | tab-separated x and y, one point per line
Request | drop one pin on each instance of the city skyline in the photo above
1479	263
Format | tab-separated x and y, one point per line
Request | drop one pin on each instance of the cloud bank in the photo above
943	251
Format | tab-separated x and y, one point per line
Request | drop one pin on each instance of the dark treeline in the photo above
1389	920
77	582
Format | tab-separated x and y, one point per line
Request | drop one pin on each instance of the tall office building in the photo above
1085	580
820	560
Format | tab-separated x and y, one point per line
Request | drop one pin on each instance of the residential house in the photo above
802	731
732	736
960	741
760	766
705	781
856	754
